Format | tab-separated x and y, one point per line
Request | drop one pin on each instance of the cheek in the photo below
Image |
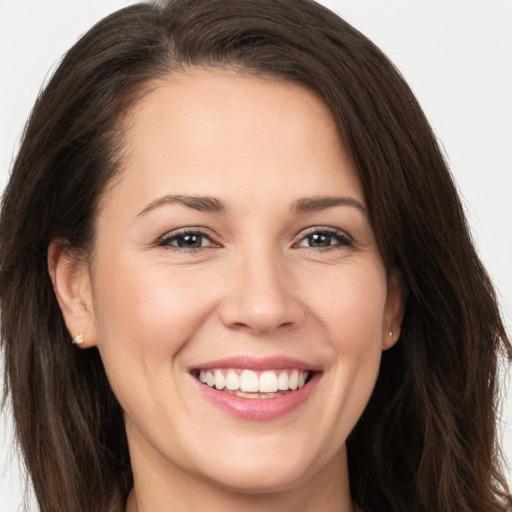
351	310
151	307
350	305
146	315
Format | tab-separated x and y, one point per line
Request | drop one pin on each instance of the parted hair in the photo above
427	439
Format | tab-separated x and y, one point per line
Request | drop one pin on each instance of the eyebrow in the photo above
312	204
212	204
200	203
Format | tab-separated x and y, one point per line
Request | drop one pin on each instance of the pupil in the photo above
319	240
189	241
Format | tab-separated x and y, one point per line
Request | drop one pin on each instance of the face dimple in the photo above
238	232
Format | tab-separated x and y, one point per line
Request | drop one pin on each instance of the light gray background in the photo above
455	54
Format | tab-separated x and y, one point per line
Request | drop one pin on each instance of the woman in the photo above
239	215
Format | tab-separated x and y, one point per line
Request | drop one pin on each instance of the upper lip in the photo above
257	363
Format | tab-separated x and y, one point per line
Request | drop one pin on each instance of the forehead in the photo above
206	127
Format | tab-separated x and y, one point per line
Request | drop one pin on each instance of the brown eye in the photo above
319	240
186	240
192	241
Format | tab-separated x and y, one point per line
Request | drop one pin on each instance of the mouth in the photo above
257	389
254	384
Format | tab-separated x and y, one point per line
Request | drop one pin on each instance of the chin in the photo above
263	472
260	479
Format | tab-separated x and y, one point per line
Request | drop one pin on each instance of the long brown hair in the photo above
427	440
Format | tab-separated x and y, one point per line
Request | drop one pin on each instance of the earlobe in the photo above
72	287
394	310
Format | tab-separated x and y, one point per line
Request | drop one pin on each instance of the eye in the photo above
187	240
324	239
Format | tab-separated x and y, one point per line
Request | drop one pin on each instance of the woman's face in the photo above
236	249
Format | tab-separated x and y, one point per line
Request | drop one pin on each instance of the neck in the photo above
254	503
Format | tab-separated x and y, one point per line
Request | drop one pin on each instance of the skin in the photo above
257	286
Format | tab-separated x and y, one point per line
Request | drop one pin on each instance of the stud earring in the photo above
78	339
385	347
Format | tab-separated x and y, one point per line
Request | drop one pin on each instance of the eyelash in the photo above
166	241
342	240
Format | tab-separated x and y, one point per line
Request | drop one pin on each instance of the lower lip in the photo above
259	408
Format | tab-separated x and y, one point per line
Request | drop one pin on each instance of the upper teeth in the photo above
268	381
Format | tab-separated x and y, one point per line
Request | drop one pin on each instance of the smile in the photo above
254	384
251	388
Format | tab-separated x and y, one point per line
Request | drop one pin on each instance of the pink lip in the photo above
258	408
255	363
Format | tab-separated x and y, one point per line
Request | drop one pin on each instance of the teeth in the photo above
257	395
293	382
220	381
232	381
282	381
247	382
268	382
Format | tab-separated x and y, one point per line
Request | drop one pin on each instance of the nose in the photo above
261	296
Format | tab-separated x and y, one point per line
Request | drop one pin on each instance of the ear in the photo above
72	286
394	310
